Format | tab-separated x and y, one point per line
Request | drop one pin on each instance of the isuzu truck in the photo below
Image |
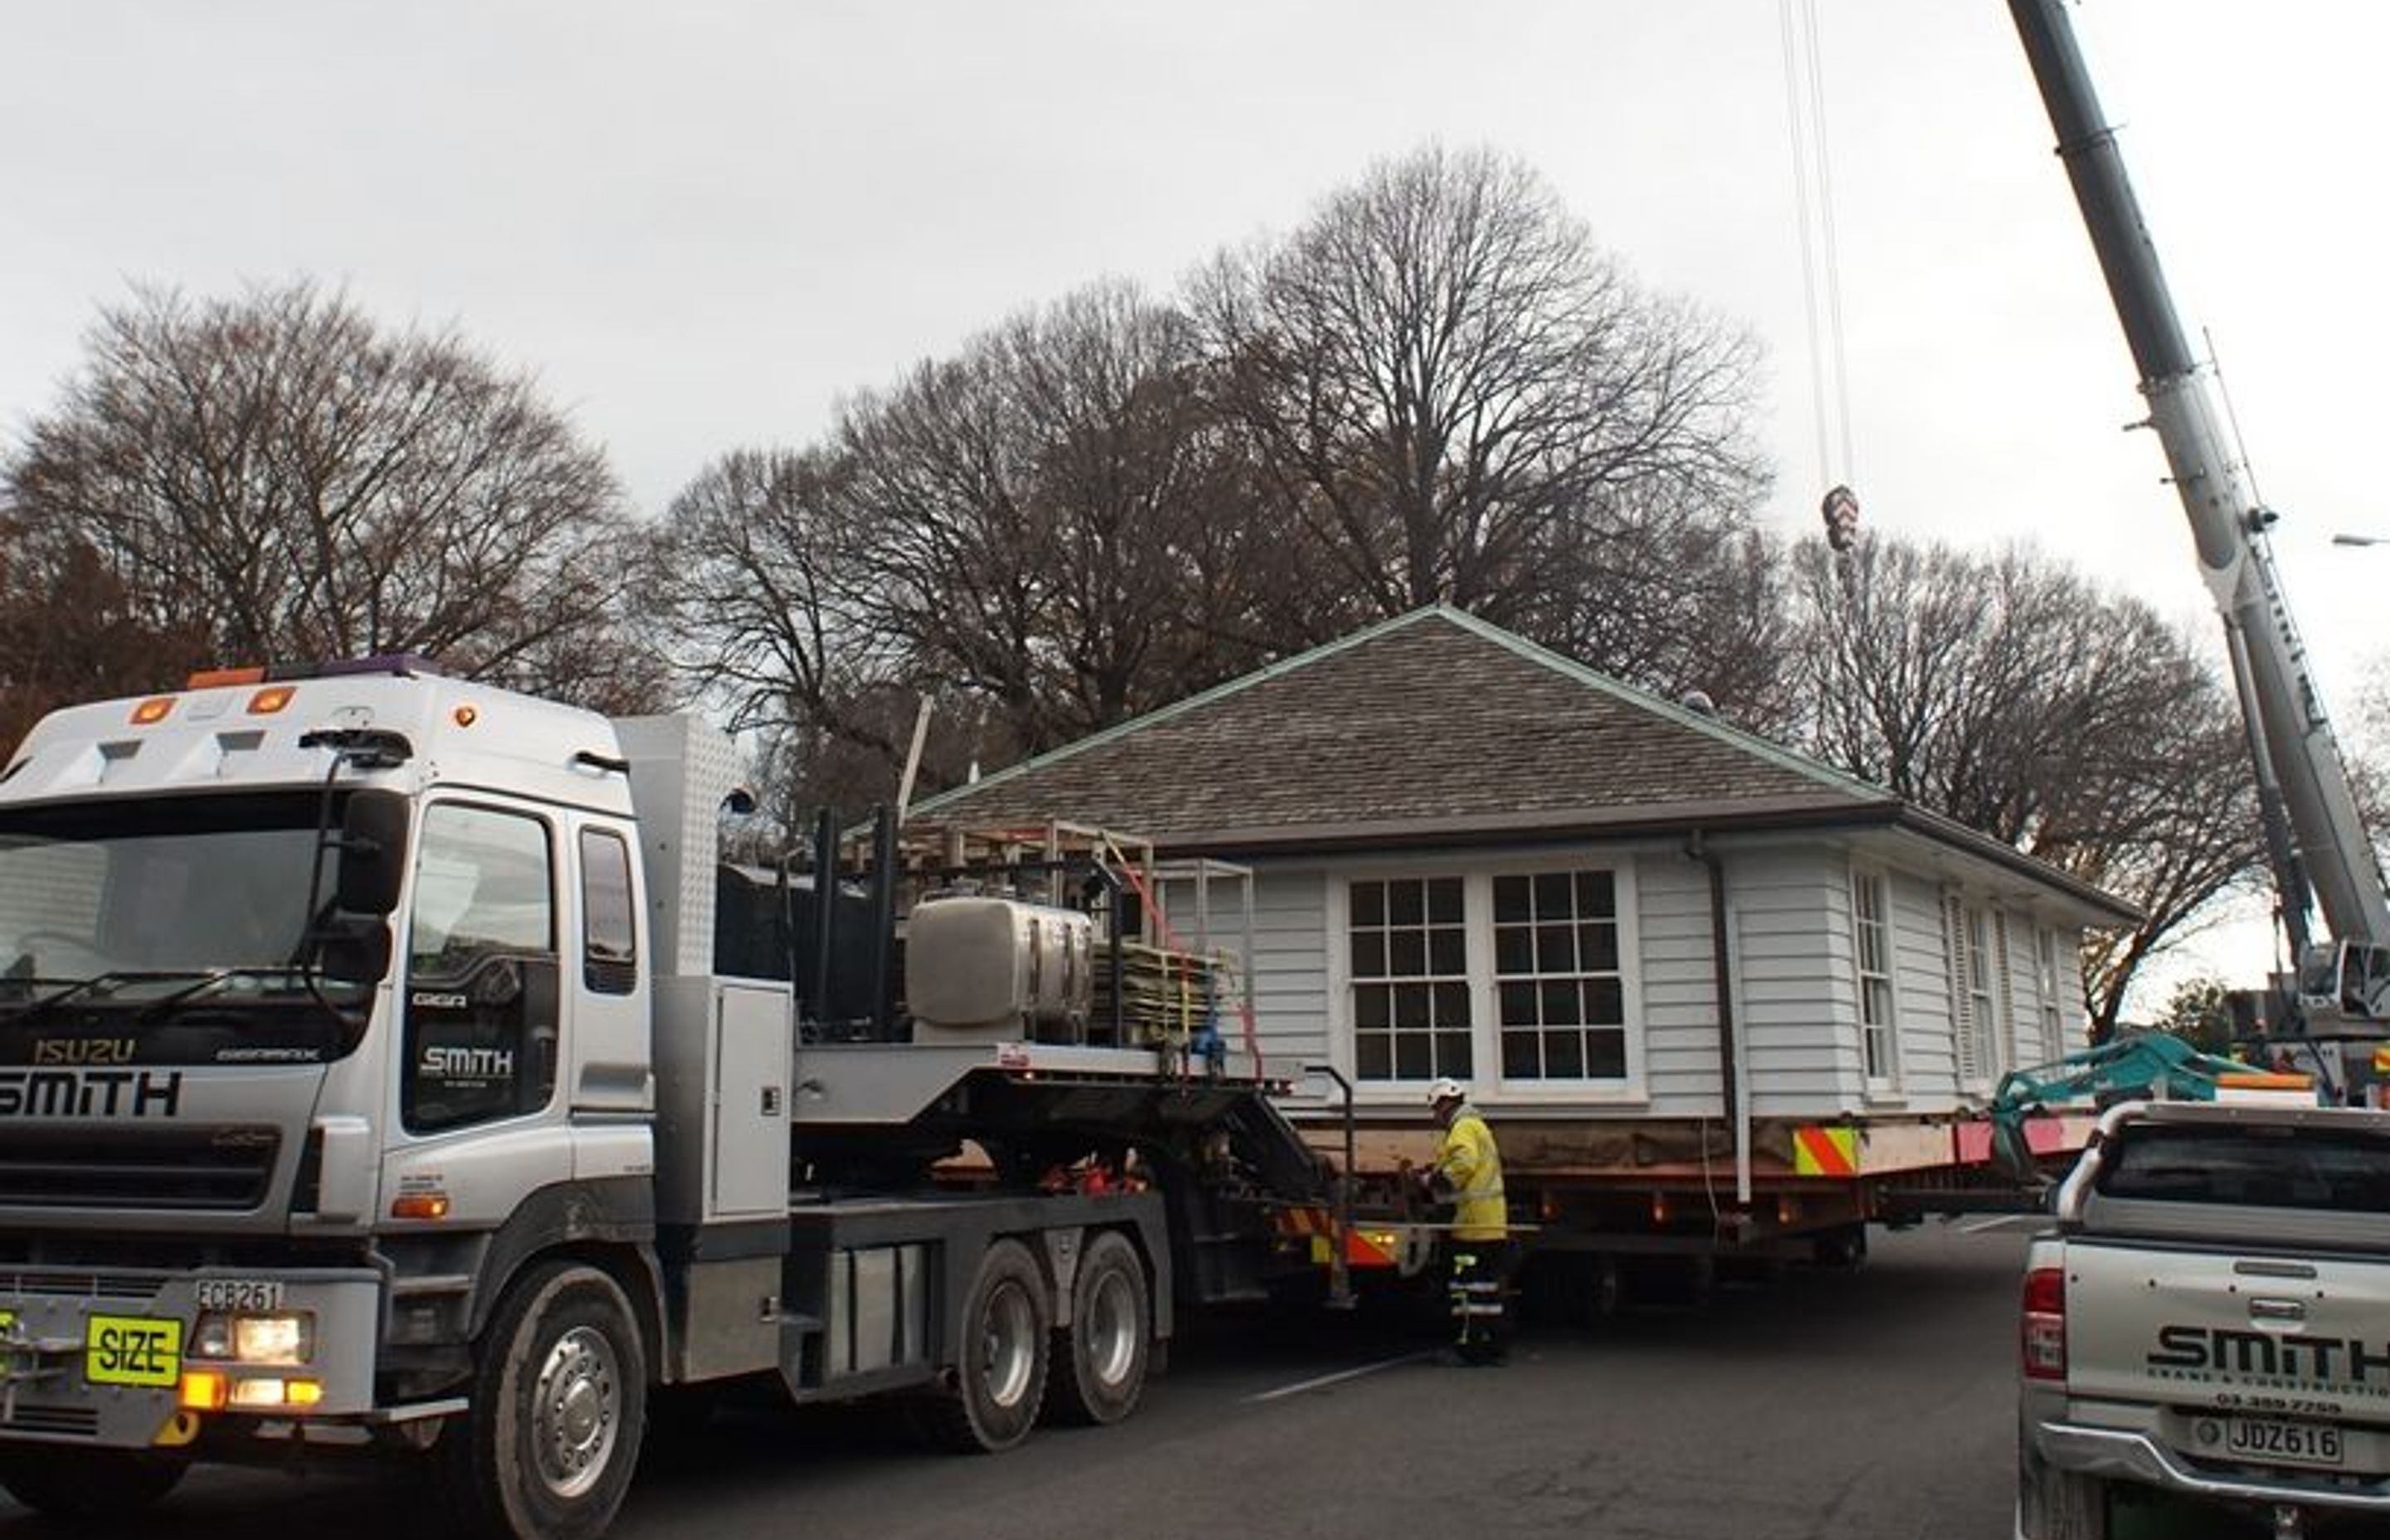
387	1061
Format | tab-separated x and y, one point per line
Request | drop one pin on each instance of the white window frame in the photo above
2046	980
1486	1084
1982	993
1537	977
1880	1073
1431	980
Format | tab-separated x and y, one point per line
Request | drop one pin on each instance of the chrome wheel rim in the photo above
1008	1345
1111	1331
576	1414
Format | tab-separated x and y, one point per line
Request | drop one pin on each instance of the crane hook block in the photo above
1841	511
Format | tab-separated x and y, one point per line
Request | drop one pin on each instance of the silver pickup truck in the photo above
2211	1319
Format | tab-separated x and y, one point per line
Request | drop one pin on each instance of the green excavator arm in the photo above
2128	1067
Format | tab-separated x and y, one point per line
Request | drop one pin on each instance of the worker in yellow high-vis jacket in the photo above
1468	1175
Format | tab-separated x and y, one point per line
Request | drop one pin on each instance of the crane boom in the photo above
2314	839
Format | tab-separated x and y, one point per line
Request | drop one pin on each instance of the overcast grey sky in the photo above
702	223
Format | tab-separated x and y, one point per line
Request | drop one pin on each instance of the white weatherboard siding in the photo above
1290	966
1679	1018
1798	1011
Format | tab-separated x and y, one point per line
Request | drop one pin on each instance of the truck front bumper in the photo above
2134	1456
118	1358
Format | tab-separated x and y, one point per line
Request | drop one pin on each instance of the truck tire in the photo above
558	1407
93	1489
2058	1505
1003	1350
1103	1356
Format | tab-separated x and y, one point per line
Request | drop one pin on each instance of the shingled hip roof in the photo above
1432	727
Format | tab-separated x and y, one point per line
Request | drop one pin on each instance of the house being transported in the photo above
1703	987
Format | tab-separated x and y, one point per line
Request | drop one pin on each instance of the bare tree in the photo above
1453	396
767	613
1054	521
270	477
2014	696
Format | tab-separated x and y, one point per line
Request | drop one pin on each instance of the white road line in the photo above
1977	1226
1338	1377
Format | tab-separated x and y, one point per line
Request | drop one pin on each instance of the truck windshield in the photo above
2339	1171
166	888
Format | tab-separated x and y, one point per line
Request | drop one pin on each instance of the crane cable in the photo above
1821	288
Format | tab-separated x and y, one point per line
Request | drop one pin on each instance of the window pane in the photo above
1373	1056
1598	948
1373	1006
1552	901
1369	954
1410	1006
1597	895
1559	1001
1511	900
606	894
1605	1055
1564	1055
1369	904
1411	1060
1444	901
1454	1055
1406	903
608	950
1408	954
1605	1001
1447	950
1514	950
1555	949
480	886
1451	1004
1521	1055
1519	1005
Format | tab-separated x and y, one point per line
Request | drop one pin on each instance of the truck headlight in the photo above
284	1337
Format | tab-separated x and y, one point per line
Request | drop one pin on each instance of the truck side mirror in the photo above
355	951
373	853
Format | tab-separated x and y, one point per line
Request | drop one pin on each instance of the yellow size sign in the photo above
131	1349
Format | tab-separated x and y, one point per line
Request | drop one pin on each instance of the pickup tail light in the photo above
2042	1338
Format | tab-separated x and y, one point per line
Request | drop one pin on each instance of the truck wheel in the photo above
88	1488
1104	1354
2058	1505
558	1407
1002	1348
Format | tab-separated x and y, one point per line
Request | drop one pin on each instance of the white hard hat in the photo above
1447	1089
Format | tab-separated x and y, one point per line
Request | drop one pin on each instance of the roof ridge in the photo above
1274	670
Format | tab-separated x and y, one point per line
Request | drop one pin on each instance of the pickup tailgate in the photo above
2261	1332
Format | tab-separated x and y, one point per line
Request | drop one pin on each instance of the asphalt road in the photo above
1816	1406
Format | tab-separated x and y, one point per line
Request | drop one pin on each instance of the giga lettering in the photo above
470	1064
2221	1350
90	1093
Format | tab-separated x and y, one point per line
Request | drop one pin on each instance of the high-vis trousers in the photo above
1480	1325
